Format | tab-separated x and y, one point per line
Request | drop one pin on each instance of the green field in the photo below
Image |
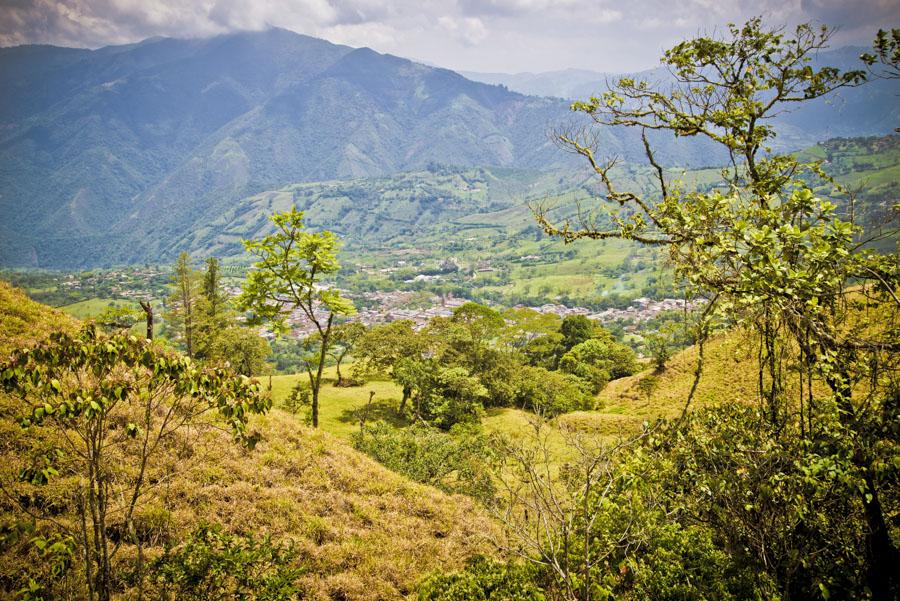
341	409
93	307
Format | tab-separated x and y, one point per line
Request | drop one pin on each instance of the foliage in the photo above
344	338
287	277
886	54
213	565
551	393
765	250
182	303
94	410
606	526
647	385
598	361
213	314
456	461
300	398
380	349
441	396
484	579
787	505
575	329
241	348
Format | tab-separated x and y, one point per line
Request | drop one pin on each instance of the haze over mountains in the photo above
114	155
871	109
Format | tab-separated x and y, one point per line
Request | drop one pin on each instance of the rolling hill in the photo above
361	530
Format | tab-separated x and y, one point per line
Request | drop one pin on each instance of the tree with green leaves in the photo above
287	277
241	348
96	412
182	314
344	338
381	349
885	60
763	248
214	314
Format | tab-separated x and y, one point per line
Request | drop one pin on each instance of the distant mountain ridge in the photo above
869	110
121	154
98	145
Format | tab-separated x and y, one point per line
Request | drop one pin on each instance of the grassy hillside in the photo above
362	531
24	322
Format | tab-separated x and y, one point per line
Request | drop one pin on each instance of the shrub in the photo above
455	462
300	398
551	393
485	579
213	565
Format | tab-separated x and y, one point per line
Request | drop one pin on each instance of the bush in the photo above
551	393
485	580
455	462
300	399
648	385
213	565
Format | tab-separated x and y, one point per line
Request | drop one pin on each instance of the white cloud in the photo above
374	35
470	30
478	35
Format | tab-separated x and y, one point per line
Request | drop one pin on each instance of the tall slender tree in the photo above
287	278
182	302
213	312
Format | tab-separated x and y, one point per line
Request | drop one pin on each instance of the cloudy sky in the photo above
476	35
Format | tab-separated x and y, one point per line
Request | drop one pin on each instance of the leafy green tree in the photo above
468	335
885	61
95	411
762	247
182	314
525	325
118	318
288	277
381	349
551	393
543	350
241	348
441	396
575	329
344	339
214	314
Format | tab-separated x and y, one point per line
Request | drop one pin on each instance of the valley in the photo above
283	318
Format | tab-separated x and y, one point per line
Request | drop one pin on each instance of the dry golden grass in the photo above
24	322
729	375
367	532
363	531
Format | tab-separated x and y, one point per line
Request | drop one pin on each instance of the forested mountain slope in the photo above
108	155
98	145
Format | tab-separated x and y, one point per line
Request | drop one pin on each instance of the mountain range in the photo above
116	155
868	110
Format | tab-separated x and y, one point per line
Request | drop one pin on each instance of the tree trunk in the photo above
882	556
406	393
148	309
318	382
